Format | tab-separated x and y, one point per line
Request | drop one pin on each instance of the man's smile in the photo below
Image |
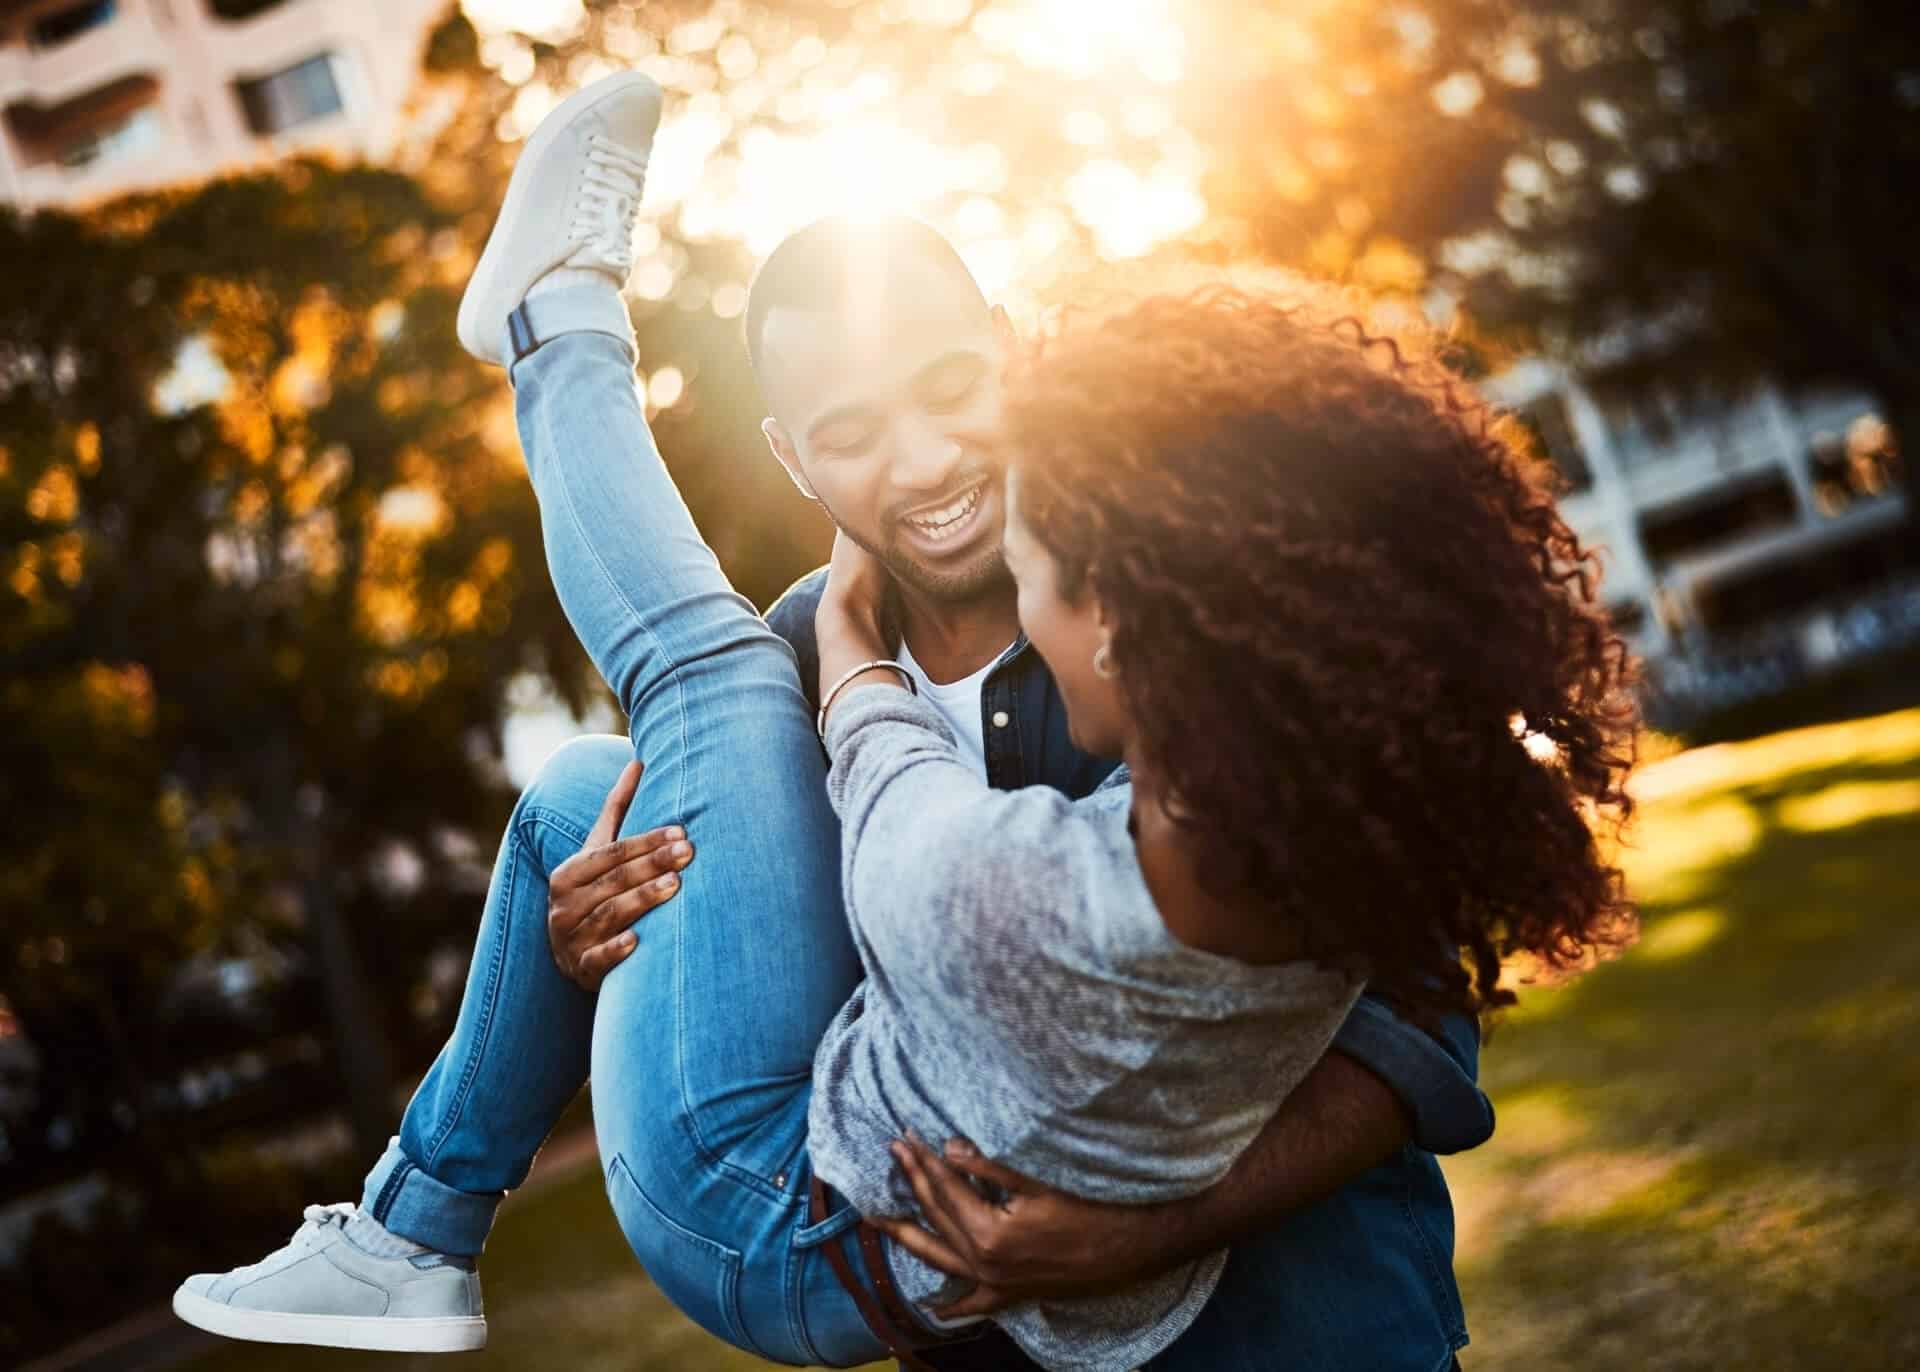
941	523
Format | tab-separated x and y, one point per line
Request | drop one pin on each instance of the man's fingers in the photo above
962	1154
602	958
943	1257
933	1251
619	912
596	861
959	1199
931	1204
962	1218
614	808
982	1300
649	864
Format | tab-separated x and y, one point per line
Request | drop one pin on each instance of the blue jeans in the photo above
701	1044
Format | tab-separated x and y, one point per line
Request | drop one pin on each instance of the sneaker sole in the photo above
563	114
381	1333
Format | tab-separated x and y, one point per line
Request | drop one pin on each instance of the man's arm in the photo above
1339	1122
1434	1076
1039	1243
1342	1120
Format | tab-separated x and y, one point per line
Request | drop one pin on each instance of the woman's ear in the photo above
783	452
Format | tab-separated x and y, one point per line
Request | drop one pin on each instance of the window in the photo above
51	30
1545	420
287	99
235	10
1732	513
128	136
1837	575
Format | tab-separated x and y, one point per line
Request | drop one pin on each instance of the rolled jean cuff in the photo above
415	1206
583	308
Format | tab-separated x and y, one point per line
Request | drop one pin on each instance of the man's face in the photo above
877	411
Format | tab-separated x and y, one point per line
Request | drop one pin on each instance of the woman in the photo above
1283	573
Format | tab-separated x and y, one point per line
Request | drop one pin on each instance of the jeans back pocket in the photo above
698	1274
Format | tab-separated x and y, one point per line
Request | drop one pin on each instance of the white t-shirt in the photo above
959	704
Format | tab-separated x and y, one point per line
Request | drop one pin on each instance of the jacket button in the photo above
1000	719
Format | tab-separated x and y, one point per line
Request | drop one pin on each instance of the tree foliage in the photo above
270	562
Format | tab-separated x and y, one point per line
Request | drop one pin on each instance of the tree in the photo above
1718	186
271	562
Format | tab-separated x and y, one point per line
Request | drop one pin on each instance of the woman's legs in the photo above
519	1049
704	1038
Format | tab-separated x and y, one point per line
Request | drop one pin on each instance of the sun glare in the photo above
766	131
1087	38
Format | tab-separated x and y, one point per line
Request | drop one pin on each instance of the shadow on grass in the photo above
1706	1156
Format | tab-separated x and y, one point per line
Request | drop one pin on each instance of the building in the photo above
1750	541
102	96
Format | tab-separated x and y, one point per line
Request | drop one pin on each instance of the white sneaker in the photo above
571	203
324	1289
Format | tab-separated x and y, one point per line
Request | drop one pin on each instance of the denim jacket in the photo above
1360	1279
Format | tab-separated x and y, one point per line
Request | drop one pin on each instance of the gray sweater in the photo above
1023	992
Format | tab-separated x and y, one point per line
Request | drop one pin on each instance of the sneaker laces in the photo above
318	1218
608	203
323	1215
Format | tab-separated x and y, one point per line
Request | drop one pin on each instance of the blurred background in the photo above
278	644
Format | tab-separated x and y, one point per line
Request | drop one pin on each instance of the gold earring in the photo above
1103	663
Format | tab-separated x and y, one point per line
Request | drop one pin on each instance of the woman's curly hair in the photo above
1356	637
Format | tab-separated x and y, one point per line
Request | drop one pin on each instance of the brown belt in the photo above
882	1308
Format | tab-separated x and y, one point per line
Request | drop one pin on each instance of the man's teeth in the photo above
945	520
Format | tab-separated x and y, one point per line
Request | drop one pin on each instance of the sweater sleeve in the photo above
932	856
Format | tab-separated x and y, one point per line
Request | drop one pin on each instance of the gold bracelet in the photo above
826	701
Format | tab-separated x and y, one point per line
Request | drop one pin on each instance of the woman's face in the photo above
1066	635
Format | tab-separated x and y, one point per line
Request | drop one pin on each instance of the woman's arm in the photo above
924	835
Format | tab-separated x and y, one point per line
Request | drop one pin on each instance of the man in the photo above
878	356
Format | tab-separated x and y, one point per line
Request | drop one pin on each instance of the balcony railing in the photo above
1684	688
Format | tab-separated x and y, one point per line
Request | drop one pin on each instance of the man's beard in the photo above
963	585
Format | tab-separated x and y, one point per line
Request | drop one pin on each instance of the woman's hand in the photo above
853	603
847	623
1036	1244
597	895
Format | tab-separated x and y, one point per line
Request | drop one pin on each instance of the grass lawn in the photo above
1708	1154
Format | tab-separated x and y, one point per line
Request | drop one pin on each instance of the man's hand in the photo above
595	897
1037	1243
